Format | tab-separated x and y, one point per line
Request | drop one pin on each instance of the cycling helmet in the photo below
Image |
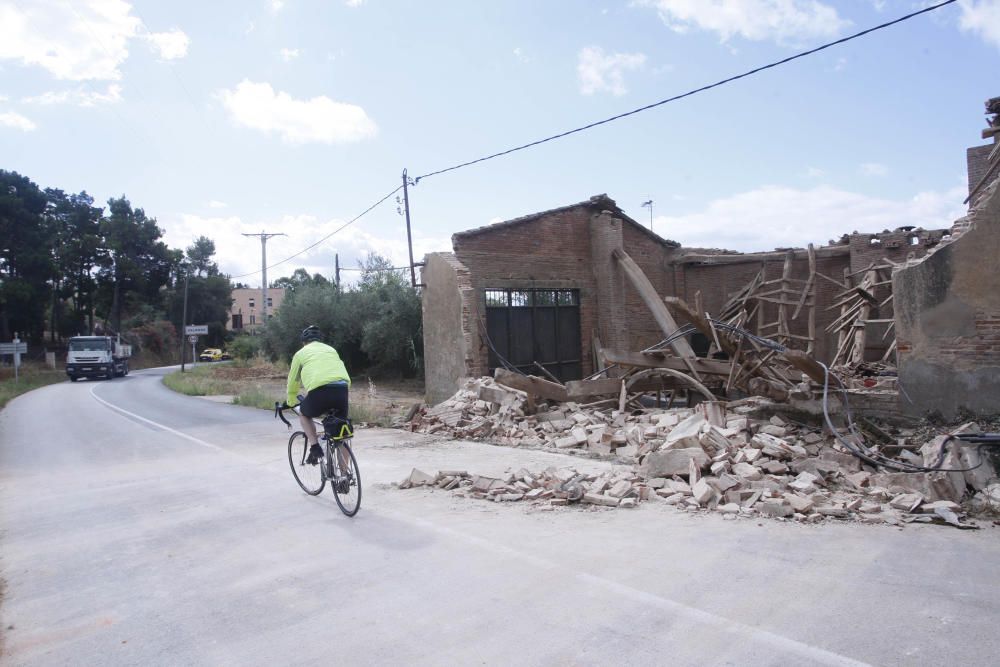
310	333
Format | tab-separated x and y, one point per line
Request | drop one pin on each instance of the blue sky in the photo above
293	116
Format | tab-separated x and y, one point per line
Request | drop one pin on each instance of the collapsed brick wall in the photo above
948	320
451	340
570	248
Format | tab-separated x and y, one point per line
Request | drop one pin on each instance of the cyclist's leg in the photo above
340	405
311	407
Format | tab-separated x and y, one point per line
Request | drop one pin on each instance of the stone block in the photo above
685	435
702	492
600	499
747	471
620	489
774	508
421	478
667	463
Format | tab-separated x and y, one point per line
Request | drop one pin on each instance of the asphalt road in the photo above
141	527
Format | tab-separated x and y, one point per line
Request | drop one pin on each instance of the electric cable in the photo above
689	93
338	229
874	458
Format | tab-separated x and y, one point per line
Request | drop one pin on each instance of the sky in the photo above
293	116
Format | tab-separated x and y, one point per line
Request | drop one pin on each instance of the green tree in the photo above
25	257
135	263
74	224
300	278
200	255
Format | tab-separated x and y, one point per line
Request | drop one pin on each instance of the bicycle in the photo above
338	466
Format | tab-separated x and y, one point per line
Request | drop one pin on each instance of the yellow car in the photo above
213	354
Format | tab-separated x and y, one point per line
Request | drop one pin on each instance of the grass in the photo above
31	376
258	384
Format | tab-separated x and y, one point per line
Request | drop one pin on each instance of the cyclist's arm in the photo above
293	381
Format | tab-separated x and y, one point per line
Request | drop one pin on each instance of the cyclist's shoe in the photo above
343	484
315	455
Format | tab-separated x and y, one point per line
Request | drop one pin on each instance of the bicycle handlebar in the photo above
279	412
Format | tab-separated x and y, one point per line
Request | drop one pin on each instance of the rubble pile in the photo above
714	456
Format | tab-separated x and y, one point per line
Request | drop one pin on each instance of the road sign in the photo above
13	348
192	339
196	330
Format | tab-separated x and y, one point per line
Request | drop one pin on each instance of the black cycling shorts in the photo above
323	399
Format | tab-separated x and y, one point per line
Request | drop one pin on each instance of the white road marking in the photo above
179	434
693	614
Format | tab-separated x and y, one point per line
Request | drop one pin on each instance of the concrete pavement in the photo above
140	526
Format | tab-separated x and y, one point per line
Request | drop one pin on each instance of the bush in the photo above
245	347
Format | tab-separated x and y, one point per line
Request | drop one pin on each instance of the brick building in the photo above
245	312
537	290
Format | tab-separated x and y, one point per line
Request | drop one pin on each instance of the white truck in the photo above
97	356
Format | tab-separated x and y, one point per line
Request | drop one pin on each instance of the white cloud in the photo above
521	55
169	45
354	3
80	97
873	169
81	40
781	21
16	121
288	54
319	119
981	17
215	203
78	41
599	73
815	172
237	254
277	5
772	216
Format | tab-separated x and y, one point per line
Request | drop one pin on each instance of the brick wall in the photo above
948	320
977	161
550	251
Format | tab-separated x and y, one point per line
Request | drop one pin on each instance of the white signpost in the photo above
192	331
15	348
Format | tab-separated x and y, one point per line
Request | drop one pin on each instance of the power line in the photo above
313	245
689	93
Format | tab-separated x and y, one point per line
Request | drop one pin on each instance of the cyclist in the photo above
317	368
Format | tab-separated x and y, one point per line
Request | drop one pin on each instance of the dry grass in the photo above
259	384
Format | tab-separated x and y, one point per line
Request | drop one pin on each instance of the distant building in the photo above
245	313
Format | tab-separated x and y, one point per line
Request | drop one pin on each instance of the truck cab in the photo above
97	356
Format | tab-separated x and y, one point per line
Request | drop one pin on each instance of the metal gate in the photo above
526	326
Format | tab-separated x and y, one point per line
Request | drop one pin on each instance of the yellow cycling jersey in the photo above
318	364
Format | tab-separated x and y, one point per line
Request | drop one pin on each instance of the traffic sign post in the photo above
15	348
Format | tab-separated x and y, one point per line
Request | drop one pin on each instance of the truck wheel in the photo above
73	378
110	372
126	369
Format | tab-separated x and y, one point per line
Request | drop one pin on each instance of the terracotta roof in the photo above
601	202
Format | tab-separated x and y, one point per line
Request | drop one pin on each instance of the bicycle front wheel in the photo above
309	476
346	483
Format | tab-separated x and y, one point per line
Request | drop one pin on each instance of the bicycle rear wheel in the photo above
309	477
346	484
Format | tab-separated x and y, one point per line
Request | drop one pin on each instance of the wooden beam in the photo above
653	302
806	364
532	385
658	360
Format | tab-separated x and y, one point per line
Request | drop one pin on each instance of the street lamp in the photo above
649	204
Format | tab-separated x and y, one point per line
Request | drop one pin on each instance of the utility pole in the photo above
336	269
184	317
649	204
263	270
409	237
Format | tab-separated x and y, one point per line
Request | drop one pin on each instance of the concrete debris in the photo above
713	457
